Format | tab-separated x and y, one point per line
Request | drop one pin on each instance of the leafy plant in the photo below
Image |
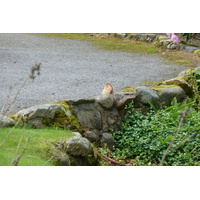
164	137
190	35
194	82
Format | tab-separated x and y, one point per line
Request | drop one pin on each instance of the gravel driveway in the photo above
69	69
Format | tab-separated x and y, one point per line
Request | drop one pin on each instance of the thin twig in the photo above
7	106
16	161
48	160
11	130
186	140
113	161
183	116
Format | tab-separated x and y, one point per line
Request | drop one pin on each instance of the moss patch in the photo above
64	118
129	89
162	87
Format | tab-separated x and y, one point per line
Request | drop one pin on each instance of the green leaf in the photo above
152	106
168	139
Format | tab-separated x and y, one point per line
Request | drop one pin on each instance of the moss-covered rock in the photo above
66	118
166	94
181	82
129	89
160	88
6	122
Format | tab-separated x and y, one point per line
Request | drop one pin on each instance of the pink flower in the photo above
169	35
175	39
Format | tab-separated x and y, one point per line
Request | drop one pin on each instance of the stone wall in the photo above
101	113
94	118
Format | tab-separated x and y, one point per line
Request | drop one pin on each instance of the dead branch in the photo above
113	161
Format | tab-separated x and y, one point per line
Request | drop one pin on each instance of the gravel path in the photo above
69	69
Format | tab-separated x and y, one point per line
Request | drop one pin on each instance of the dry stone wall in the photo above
94	118
101	113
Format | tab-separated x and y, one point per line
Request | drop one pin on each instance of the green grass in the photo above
36	151
72	36
109	43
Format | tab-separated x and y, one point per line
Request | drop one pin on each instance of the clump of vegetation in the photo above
167	136
190	36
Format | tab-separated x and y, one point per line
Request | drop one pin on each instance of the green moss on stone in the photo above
66	118
17	118
129	89
62	119
162	87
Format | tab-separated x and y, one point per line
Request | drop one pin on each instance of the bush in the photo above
190	35
172	132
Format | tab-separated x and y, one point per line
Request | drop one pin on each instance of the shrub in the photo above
190	35
146	138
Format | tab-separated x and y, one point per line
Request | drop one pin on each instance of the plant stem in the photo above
171	143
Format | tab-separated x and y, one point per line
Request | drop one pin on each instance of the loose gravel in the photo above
69	69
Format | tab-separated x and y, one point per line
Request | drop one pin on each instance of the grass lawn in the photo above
36	152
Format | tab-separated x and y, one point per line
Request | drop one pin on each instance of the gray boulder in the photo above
61	159
141	37
36	114
147	95
79	146
189	49
81	101
40	111
167	94
92	137
106	101
107	140
6	122
88	115
121	35
124	98
77	134
151	37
